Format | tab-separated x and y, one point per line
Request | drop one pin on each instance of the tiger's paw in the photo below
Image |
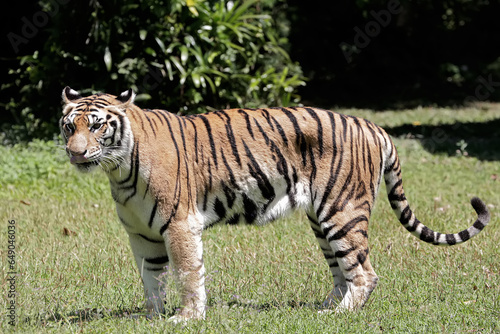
178	319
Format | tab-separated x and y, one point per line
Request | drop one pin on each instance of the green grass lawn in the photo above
76	272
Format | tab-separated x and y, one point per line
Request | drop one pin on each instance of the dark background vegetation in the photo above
192	56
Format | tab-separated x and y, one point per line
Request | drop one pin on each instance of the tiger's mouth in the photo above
86	166
82	163
86	161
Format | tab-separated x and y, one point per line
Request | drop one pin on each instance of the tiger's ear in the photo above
70	95
127	97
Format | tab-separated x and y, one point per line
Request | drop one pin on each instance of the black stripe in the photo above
266	115
232	139
150	123
262	180
347	227
363	233
247	120
361	191
282	168
178	189
229	193
413	228
157	260
164	227
314	115
299	136
450	239
152	215
209	170
344	253
232	179
122	128
318	234
157	113
188	180
266	137
233	220
327	229
151	240
219	208
427	234
464	235
280	131
361	258
478	225
312	220
205	200
250	209
390	168
210	138
141	121
344	126
154	269
405	215
147	188
314	169
181	130
393	195
133	156
347	183
333	174
134	171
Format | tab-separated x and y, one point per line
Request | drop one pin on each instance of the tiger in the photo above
173	176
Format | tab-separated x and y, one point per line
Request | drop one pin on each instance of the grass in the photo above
76	271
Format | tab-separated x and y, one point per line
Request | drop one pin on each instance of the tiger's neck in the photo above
156	162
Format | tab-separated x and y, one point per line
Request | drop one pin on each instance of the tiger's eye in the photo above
96	126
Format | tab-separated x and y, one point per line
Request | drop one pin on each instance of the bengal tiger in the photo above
173	176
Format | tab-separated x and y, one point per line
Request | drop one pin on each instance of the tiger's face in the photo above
94	129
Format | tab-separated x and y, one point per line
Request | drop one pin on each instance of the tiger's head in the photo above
96	129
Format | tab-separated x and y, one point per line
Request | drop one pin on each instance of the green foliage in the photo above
184	56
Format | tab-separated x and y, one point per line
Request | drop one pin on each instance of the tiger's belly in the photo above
253	202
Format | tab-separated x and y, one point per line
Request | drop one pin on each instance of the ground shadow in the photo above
477	139
87	315
267	306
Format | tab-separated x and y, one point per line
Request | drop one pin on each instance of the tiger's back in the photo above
172	176
257	165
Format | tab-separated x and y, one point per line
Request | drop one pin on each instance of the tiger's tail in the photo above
399	203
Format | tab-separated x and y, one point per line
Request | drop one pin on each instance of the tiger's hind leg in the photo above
346	234
340	284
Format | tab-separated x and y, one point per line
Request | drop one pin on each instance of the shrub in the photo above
187	56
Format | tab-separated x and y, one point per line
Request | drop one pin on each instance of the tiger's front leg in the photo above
152	259
185	247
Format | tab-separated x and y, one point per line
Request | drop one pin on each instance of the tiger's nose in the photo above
77	146
78	159
77	156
